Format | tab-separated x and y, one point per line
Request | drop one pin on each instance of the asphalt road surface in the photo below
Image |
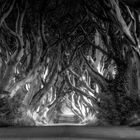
70	133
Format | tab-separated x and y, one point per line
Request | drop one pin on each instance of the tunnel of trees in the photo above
76	56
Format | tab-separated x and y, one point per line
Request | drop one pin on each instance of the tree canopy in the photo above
83	55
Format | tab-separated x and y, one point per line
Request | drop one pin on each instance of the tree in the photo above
83	53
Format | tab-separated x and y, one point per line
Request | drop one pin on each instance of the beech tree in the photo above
83	53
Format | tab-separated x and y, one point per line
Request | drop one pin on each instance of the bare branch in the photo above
42	32
99	78
121	22
6	13
50	82
10	31
77	90
72	58
83	83
19	23
93	45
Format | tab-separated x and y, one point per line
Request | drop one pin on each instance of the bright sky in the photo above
66	110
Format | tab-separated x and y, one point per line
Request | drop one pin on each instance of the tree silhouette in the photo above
83	53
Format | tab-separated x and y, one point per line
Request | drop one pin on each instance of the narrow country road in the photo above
70	132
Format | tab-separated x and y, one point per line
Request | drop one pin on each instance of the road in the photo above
70	132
